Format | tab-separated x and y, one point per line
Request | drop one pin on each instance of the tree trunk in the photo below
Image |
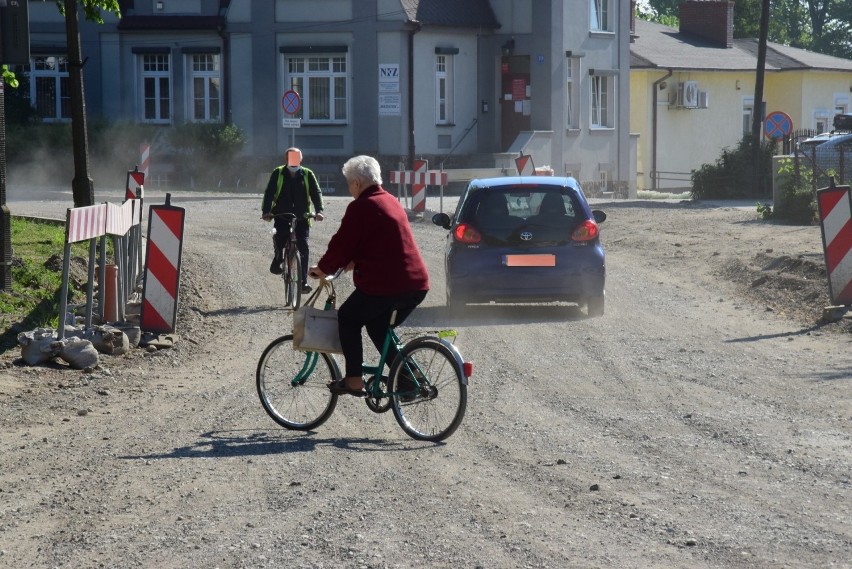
81	186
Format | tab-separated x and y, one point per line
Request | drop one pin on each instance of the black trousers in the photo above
374	312
282	234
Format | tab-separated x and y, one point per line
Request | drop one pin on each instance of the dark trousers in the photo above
282	234
374	312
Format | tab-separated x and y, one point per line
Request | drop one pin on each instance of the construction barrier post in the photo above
835	212
418	189
162	270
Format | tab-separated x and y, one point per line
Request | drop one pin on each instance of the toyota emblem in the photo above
526	236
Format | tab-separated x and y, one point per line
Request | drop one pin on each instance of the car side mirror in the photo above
599	216
441	220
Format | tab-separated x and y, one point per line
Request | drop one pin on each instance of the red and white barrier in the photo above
418	180
144	159
429	178
162	271
418	190
135	184
119	218
835	212
524	164
85	223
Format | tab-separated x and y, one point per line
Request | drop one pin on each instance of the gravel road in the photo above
699	423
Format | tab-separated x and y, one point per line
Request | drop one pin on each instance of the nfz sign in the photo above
388	72
389	77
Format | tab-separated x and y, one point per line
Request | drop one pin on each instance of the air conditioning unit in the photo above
687	95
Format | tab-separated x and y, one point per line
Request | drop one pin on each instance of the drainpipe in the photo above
416	28
226	57
655	89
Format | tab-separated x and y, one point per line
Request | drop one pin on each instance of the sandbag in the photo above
106	339
39	346
79	353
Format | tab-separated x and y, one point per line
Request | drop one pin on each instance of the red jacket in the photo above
376	235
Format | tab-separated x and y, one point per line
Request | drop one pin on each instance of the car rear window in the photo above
502	214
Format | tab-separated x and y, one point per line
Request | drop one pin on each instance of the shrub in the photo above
732	175
796	198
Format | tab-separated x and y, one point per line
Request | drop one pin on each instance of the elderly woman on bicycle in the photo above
375	242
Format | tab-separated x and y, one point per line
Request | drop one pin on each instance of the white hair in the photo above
365	169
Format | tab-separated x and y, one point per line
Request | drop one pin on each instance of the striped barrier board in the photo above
135	183
524	164
162	270
86	222
119	218
835	212
429	178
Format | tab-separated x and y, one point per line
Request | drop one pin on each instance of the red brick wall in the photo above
709	19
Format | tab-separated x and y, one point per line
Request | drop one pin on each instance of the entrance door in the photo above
515	104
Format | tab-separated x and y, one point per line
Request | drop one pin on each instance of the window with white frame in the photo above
322	83
443	89
205	87
841	104
600	15
572	104
747	115
156	93
822	121
601	101
49	88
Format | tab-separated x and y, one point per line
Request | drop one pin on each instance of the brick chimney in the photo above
710	19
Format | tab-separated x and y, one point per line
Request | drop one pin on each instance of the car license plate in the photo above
529	260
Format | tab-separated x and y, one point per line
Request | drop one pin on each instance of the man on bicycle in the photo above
292	188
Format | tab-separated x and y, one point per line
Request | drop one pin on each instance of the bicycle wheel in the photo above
292	385
435	411
292	278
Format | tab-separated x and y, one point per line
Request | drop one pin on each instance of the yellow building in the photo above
692	91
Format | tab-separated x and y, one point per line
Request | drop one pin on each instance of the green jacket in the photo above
286	193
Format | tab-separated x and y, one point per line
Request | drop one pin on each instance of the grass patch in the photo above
33	301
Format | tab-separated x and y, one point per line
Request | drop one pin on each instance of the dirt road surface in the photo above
704	421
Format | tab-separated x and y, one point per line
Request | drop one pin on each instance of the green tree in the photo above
823	26
93	9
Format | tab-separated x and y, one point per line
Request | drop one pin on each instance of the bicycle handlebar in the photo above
306	215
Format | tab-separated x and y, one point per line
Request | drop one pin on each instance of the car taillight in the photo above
468	369
466	233
586	231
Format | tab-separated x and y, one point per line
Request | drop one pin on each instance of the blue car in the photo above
524	239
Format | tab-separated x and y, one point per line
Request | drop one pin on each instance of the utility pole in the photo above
82	186
757	117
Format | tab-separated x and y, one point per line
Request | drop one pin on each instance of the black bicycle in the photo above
292	263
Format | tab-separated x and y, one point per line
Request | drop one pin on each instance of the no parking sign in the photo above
291	102
777	124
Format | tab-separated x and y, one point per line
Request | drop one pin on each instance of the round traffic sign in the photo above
777	124
291	102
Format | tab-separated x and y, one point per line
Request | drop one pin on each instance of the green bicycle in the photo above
426	387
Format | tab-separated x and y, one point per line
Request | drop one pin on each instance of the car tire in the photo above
595	306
